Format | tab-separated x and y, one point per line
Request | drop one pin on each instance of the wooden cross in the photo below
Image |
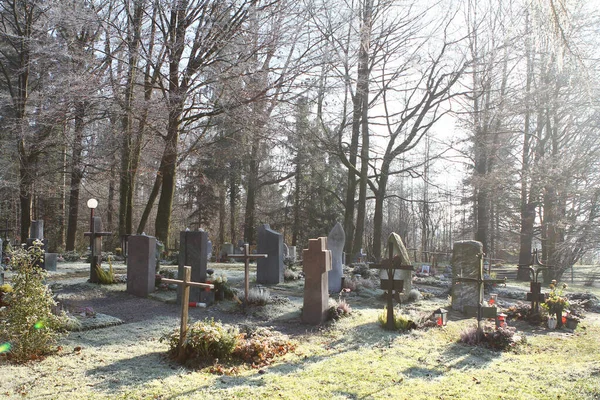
185	283
247	257
96	246
393	286
480	311
535	286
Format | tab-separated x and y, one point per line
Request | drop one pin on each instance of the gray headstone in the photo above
36	231
335	243
269	270
141	265
208	250
286	251
398	249
465	263
226	248
292	253
193	249
316	265
50	260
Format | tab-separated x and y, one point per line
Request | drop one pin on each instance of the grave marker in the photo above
246	256
316	262
396	248
141	269
391	281
468	286
269	270
226	248
292	253
193	251
185	284
335	243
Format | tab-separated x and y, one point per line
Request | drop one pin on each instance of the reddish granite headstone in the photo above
316	264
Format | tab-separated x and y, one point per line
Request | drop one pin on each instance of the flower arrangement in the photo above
222	288
556	301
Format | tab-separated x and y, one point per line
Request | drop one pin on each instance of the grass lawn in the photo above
353	358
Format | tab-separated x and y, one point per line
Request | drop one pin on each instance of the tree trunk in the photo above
362	91
150	204
378	214
233	200
251	193
130	150
168	175
76	176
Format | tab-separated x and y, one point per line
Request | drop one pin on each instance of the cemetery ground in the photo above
352	358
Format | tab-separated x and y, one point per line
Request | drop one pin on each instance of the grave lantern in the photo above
92	204
493	299
500	320
441	317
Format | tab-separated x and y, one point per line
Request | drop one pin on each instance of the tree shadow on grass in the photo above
125	373
463	356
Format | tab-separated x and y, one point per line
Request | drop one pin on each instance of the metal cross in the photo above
480	311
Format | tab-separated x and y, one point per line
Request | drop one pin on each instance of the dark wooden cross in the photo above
247	257
185	298
535	286
392	286
96	246
480	311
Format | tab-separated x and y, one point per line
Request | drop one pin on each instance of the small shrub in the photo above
290	275
206	341
363	270
338	310
106	277
4	291
172	258
472	336
401	323
258	296
355	284
259	346
414	295
71	256
29	327
499	339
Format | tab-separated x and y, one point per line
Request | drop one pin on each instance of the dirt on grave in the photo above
348	359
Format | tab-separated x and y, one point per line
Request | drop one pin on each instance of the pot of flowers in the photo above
556	302
221	287
572	321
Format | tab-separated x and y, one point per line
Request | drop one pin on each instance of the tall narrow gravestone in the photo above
141	265
269	270
292	253
465	264
399	250
36	232
226	248
193	251
316	262
335	243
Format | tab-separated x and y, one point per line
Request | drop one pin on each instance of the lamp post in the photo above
92	204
